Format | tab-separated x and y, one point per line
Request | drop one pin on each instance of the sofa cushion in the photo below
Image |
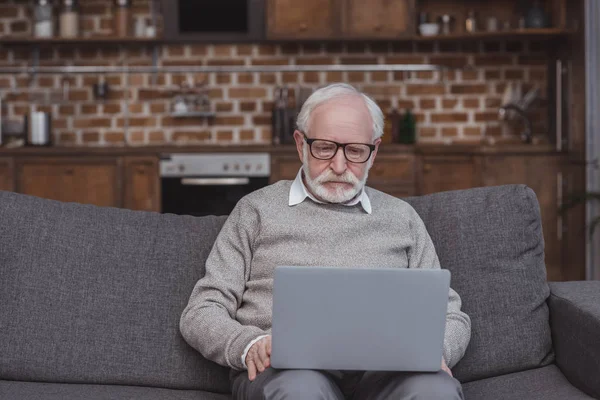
547	383
94	295
491	241
14	390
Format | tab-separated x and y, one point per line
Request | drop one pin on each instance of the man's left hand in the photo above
445	367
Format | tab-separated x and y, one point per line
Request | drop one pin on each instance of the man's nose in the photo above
338	162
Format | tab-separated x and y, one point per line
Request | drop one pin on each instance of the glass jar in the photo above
69	19
122	18
43	19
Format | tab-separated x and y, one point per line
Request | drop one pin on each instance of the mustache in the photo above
329	176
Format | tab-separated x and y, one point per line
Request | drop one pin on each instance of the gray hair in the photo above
332	91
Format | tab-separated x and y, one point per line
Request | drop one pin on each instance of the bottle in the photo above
408	128
471	22
536	16
122	19
43	19
69	19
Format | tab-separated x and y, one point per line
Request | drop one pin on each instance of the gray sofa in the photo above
90	300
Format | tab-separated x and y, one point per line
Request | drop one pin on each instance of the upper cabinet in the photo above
378	18
340	19
307	19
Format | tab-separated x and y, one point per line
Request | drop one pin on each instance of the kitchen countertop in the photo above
385	148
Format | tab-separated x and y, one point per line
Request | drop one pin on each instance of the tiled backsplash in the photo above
458	104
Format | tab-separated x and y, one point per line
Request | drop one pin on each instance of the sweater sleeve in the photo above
458	324
208	322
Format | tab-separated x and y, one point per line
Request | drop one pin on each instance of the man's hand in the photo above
259	357
445	367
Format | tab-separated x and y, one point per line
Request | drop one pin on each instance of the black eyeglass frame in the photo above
309	141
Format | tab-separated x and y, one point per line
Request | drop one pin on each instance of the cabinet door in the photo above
543	175
284	167
378	18
7	181
443	173
85	180
307	19
142	184
393	174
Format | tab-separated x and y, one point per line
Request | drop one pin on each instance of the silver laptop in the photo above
375	319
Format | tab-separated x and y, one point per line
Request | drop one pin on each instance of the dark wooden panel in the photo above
141	185
307	19
378	18
7	181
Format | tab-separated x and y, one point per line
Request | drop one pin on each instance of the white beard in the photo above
340	194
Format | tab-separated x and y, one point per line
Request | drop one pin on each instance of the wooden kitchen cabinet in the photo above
441	173
7	181
141	184
378	18
284	166
70	179
307	19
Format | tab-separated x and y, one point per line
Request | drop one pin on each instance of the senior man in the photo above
326	216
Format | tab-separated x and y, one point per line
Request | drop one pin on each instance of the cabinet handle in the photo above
303	27
559	201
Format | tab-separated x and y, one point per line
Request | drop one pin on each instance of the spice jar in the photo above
43	19
122	18
69	19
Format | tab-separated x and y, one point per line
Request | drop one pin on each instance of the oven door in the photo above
201	196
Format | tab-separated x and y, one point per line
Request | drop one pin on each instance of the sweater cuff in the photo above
247	349
237	346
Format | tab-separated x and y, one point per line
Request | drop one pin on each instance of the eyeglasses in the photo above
327	149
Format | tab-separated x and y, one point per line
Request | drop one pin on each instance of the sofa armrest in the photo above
575	324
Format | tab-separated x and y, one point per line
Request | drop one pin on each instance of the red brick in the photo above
225	62
494	60
183	136
472	131
79	95
267	106
405	59
66	110
247	106
219	120
384	90
358	60
244	49
198	49
136	108
492	75
114	137
470	75
20	26
223	107
448	131
471	103
268	78
271	61
89	109
246	134
449	104
493	130
266	135
314	61
158	108
486	116
222	50
427	131
247	93
137	122
9	11
469	89
267	50
405	104
290	77
379	76
449	117
333	76
427	104
261	120
67	138
493	102
423	74
79	123
90	137
449	61
356	77
157	137
137	137
311	77
425	89
224	136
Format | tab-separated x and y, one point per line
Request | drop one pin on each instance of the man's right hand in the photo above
259	357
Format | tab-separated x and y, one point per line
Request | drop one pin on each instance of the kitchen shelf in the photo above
548	33
96	40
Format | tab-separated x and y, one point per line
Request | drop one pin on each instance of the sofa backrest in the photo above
491	241
94	295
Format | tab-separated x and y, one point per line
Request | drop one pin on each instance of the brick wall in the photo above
459	104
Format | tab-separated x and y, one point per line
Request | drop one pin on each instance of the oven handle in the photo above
214	181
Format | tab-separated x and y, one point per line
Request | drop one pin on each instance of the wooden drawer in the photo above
392	168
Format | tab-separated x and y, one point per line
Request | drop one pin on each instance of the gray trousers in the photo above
308	385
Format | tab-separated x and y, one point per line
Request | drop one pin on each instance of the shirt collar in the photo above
299	193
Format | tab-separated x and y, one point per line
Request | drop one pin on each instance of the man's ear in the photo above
299	138
377	142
